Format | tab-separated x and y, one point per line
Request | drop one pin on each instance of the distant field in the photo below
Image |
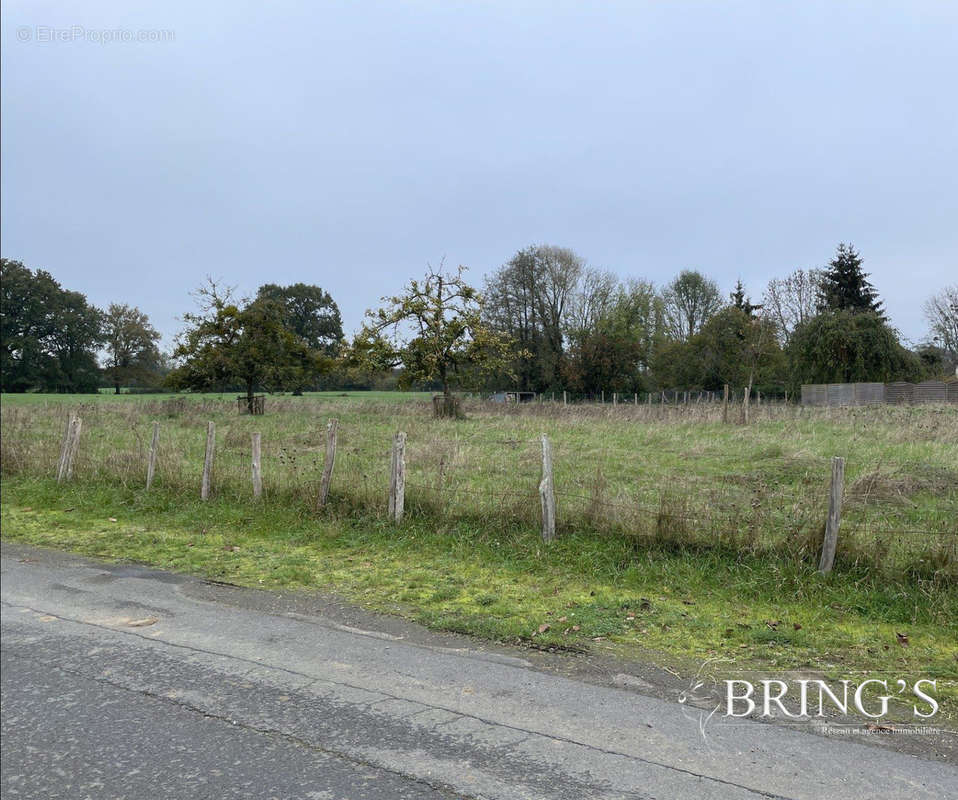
110	396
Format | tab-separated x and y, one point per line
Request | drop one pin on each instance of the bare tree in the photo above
690	301
592	300
529	299
791	300
941	311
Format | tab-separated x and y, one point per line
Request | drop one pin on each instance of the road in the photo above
121	681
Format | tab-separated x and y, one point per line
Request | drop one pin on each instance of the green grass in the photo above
680	538
500	582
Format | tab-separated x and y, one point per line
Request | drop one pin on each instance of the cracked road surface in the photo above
122	681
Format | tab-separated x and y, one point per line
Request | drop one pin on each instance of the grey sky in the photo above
348	143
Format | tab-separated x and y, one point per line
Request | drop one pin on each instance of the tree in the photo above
130	344
738	348
434	330
528	300
612	345
845	286
689	302
228	343
48	335
846	347
310	312
941	312
791	301
742	301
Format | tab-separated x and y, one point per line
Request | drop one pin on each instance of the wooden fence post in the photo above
331	428
151	463
564	399
615	399
834	515
65	448
725	404
256	440
208	461
69	449
397	478
74	446
547	493
748	392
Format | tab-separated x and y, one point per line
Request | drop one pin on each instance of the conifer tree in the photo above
845	285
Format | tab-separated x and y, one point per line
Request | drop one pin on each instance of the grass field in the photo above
680	538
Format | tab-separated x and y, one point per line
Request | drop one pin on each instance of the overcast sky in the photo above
349	143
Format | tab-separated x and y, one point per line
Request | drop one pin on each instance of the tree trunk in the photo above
116	388
249	396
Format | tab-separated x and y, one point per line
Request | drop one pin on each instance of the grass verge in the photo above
586	592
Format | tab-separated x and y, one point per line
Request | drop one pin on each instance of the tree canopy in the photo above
230	342
130	340
434	330
48	335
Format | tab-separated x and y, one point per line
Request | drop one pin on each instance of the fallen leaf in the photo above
142	623
544	627
71	508
902	638
872	726
773	624
576	628
231	548
796	626
112	519
644	605
689	602
563	619
27	508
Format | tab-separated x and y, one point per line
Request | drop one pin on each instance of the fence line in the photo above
554	501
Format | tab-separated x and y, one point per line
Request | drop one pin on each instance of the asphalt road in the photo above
119	681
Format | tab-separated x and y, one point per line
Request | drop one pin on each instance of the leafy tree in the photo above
690	301
738	348
311	313
941	312
845	286
131	348
48	335
228	343
613	348
849	346
434	330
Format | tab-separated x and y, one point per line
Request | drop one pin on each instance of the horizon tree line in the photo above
544	321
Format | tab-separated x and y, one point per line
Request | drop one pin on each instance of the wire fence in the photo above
652	482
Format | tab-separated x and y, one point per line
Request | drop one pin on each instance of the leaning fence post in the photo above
331	428
397	478
547	493
256	440
834	515
151	463
208	461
